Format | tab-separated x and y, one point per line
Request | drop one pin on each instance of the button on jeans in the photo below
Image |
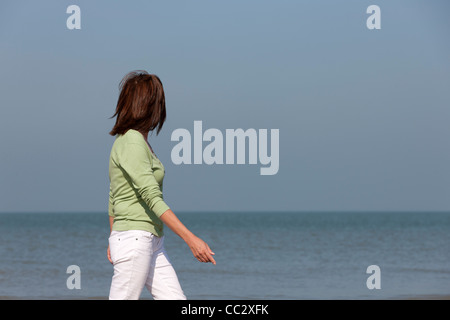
139	260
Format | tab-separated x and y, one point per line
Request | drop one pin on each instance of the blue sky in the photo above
362	114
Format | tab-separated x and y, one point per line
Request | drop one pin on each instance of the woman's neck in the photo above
145	134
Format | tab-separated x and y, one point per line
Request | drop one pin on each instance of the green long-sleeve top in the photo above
136	179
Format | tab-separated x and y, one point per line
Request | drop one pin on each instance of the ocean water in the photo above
317	255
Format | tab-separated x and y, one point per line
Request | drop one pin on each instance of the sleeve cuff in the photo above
159	208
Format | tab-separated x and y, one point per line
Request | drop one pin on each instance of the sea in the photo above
259	255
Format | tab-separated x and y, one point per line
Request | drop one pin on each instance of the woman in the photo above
137	211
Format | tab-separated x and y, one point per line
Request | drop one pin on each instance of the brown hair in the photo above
141	105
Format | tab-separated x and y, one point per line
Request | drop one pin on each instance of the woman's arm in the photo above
199	248
108	253
111	221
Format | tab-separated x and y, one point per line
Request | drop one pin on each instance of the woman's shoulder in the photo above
131	142
131	136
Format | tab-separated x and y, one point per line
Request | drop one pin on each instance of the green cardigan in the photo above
136	178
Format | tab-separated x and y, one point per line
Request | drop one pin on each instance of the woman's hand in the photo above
200	249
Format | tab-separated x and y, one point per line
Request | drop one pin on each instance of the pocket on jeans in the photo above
114	243
147	235
119	245
112	235
125	245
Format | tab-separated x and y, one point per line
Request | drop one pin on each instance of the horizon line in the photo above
239	211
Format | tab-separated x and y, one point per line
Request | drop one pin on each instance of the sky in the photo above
362	113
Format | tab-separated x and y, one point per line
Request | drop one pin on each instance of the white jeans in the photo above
139	260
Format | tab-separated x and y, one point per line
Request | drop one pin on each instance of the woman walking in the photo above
137	211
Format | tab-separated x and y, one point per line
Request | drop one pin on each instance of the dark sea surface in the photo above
317	255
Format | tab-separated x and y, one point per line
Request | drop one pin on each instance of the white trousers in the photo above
139	260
